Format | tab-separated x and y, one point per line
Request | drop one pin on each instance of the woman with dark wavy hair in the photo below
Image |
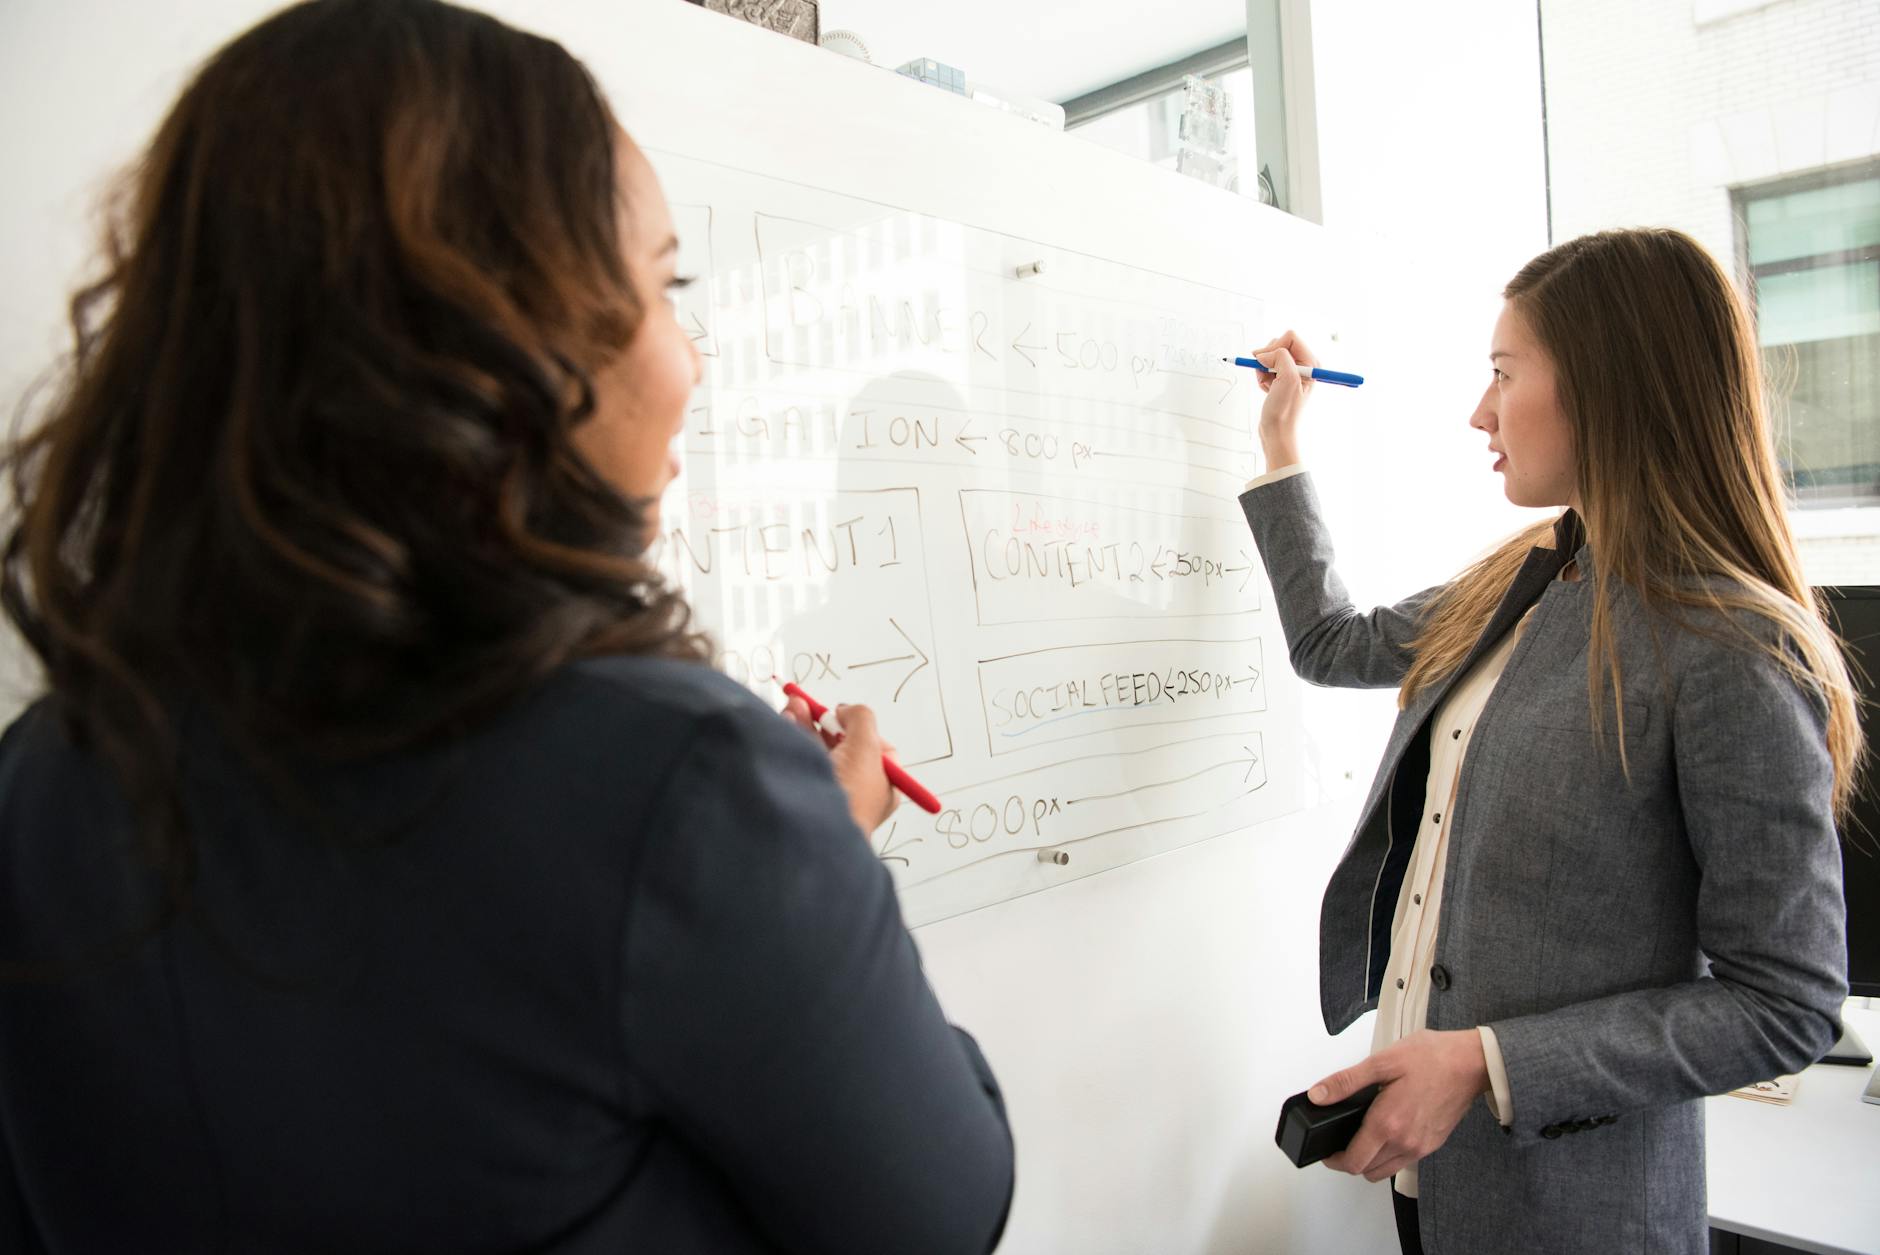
383	869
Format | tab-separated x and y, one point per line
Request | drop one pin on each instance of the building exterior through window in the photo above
1810	247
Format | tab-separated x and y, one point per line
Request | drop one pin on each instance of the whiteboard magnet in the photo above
1057	858
1031	268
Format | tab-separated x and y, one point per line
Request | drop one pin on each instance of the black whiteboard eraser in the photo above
1308	1132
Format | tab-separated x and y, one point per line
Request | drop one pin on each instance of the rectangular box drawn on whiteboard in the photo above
1073	691
829	591
1038	559
1179	788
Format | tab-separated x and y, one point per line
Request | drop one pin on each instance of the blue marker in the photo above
1310	372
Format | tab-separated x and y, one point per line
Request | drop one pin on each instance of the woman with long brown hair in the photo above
1597	876
384	869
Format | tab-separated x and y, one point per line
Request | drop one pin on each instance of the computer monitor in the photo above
1854	612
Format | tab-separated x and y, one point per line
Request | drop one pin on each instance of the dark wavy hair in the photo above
310	471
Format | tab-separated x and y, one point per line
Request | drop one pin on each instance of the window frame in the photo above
1741	198
1751	276
1160	81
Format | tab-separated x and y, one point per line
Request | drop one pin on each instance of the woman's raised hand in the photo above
1286	393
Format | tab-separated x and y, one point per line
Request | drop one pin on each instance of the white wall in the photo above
1146	1021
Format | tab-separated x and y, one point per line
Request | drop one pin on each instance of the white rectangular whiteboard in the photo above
999	508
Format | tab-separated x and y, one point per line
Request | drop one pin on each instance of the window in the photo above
1141	116
1144	129
1151	129
1810	249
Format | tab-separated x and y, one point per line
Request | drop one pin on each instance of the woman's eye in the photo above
679	284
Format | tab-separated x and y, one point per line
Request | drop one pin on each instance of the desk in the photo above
1806	1175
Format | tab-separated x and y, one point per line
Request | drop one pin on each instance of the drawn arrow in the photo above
1230	380
1248	568
1020	348
1252	677
962	438
888	847
1251	759
701	332
918	651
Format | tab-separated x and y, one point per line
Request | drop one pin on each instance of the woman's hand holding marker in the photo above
852	763
1286	391
856	759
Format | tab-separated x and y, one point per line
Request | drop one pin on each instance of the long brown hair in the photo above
1659	377
310	471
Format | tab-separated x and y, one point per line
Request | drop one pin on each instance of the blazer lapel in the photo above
1542	567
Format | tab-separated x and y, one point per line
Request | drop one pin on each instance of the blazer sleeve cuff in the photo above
1499	1098
1546	1058
1274	476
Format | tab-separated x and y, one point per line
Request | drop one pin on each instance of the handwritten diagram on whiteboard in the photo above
999	509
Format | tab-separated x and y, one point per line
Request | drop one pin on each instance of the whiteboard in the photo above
998	507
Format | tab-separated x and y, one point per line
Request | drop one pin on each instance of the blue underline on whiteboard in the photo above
1095	710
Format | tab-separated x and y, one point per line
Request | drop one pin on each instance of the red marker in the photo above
897	775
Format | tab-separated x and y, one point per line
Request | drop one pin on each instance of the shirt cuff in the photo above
1273	477
1500	1101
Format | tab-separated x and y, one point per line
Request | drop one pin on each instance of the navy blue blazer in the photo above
614	972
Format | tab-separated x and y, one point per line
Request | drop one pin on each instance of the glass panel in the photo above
1829	431
1150	130
1146	130
1239	85
1825	303
1807	224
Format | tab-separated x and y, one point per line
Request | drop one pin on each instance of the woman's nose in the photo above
1484	418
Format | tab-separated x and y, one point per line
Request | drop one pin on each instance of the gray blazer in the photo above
1635	944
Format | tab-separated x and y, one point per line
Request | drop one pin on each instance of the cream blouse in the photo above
1404	1001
